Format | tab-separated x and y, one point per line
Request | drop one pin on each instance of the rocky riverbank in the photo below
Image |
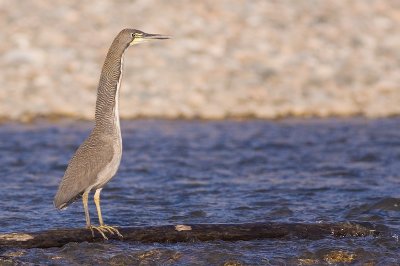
228	58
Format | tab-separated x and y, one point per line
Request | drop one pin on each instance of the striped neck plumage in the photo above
107	113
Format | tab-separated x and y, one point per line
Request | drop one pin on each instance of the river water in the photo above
176	172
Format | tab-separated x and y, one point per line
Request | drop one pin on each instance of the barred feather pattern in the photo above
108	87
97	159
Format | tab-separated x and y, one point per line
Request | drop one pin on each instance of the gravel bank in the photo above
228	58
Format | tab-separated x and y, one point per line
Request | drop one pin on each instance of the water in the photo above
176	172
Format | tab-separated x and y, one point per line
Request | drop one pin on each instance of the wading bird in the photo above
97	159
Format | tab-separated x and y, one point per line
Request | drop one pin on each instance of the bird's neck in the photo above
107	104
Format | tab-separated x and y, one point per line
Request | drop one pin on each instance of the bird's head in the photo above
131	37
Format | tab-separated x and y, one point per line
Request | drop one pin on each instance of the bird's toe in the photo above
105	229
100	230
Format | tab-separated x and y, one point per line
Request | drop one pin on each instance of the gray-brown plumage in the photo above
97	160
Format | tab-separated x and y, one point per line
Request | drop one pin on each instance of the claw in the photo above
112	230
103	229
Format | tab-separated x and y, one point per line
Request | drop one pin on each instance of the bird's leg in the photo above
103	227
85	206
97	202
87	216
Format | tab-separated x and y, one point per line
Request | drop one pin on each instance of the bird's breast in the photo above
111	168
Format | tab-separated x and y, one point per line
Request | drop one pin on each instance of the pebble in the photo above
227	58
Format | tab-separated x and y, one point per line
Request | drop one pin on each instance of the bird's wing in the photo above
90	158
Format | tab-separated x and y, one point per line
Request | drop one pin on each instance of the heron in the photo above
97	159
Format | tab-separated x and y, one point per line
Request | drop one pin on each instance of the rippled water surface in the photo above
212	172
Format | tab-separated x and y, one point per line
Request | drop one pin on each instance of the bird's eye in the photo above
133	35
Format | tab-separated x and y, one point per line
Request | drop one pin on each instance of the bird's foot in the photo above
103	229
112	230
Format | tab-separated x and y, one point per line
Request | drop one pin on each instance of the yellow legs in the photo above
102	229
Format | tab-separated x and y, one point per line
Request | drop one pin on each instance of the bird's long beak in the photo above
146	37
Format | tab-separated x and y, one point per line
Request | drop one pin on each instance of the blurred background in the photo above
228	58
